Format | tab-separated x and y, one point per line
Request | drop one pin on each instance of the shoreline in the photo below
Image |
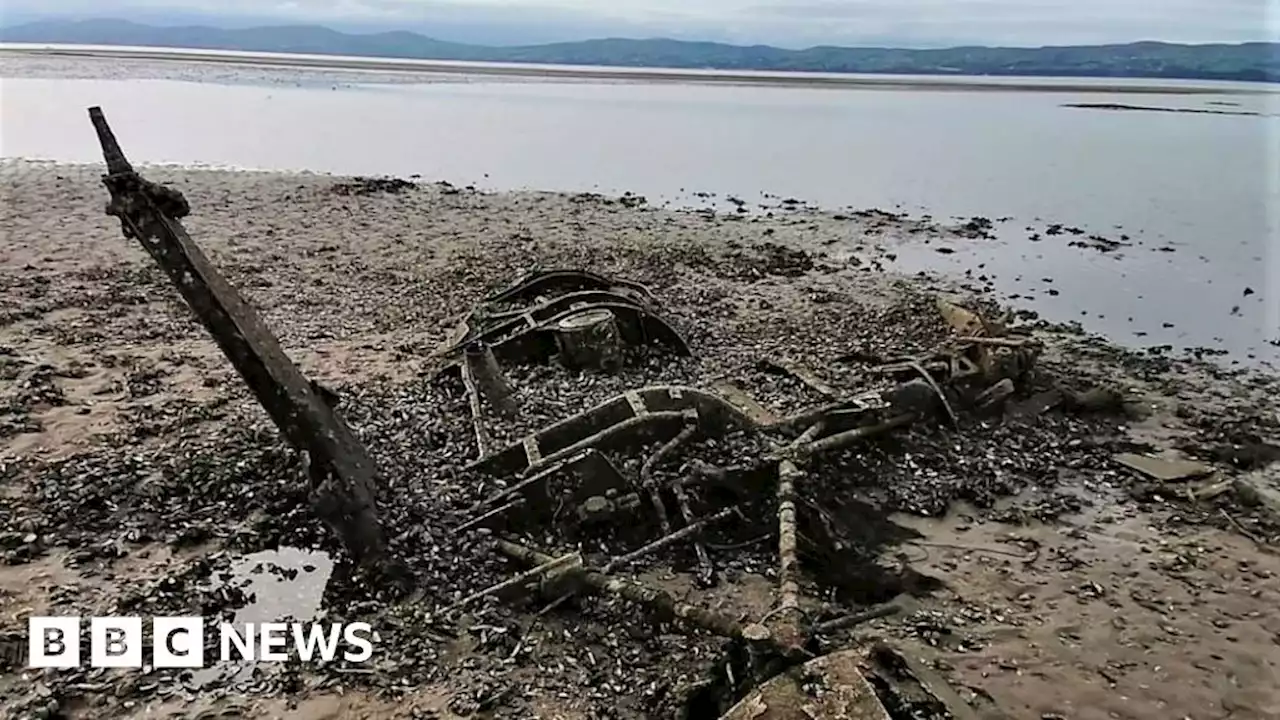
959	83
887	235
137	468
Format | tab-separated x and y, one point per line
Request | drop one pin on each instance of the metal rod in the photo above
852	619
692	528
518	502
477	415
523	485
344	476
1000	342
117	164
789	475
946	404
542	569
646	474
622	428
849	437
658	601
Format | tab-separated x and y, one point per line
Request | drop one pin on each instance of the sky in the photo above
910	23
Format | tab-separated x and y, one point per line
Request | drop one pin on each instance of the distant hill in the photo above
1246	61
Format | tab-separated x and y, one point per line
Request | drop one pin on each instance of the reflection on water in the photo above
1154	292
284	583
1204	185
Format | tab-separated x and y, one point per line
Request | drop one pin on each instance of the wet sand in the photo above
131	455
587	72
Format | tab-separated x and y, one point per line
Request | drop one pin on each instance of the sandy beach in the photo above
1038	576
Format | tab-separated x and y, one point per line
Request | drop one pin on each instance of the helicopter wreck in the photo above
641	476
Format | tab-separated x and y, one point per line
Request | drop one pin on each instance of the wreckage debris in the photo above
373	186
547	316
343	474
567	465
565	477
912	689
663	605
589	340
1163	469
548	283
564	482
845	693
626	421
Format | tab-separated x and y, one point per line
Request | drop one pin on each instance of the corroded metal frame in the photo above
343	473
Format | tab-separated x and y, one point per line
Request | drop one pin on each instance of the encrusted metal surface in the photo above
343	472
831	687
628	420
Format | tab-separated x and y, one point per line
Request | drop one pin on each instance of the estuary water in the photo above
1193	179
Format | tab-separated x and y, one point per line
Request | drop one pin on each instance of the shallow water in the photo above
284	583
277	592
1206	187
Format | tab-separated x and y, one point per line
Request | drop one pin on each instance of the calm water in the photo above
1206	187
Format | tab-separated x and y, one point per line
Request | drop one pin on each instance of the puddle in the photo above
284	583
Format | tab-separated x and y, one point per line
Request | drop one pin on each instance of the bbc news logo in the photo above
179	642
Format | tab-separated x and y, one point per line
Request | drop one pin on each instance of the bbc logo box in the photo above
179	642
55	642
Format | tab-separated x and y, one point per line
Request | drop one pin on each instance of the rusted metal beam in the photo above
627	420
657	600
344	476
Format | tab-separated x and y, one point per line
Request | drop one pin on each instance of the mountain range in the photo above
1257	61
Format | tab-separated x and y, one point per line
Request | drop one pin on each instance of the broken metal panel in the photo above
528	484
568	483
569	431
743	401
801	373
344	474
595	475
917	690
1164	469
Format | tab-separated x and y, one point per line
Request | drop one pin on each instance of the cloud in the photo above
837	22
